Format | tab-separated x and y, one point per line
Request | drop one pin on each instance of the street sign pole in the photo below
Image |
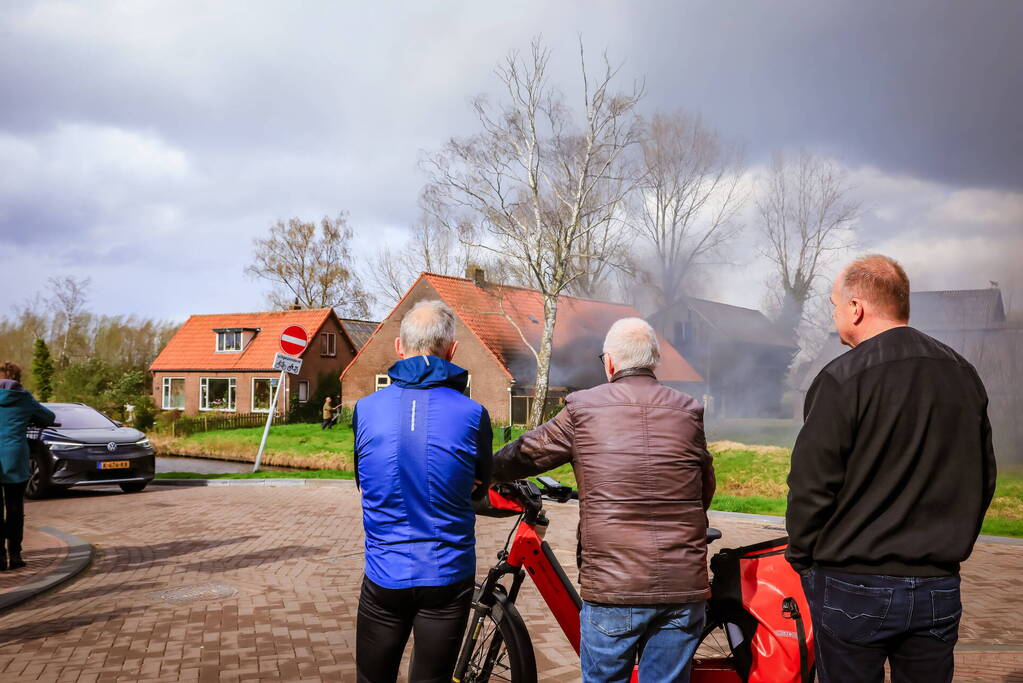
294	339
269	419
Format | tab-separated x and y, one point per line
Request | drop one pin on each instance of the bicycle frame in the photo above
528	553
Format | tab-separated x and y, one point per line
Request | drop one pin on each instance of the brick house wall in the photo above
489	384
314	365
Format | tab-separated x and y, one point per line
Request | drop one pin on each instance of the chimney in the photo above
477	275
296	306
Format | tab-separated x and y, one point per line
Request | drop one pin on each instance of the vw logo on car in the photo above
87	448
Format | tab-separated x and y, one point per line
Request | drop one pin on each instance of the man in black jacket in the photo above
891	476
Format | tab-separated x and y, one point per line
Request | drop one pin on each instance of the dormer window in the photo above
229	340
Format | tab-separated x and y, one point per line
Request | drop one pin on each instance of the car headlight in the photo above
144	443
63	445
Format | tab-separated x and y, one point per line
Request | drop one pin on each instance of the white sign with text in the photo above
288	364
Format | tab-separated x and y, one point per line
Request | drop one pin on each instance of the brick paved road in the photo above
269	586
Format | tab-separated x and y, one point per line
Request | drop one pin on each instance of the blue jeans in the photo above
662	637
859	620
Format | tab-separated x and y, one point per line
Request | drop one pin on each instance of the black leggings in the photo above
435	614
12	525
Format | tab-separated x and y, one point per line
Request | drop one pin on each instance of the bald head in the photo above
632	343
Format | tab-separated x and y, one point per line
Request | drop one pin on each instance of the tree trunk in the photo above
543	361
791	314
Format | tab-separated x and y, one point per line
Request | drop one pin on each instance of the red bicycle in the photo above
754	631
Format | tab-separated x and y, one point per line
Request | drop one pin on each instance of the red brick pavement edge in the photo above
51	558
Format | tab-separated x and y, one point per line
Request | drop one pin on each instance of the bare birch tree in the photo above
310	266
685	205
68	296
538	185
806	216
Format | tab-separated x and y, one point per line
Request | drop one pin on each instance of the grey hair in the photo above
632	343
428	328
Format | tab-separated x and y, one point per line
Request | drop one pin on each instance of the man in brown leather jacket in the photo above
645	483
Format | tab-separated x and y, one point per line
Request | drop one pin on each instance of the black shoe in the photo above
16	562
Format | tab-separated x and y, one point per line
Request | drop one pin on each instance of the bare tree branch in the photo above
544	192
312	267
805	218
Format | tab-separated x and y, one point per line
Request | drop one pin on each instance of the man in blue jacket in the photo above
423	451
18	410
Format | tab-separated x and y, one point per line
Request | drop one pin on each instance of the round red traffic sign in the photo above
294	339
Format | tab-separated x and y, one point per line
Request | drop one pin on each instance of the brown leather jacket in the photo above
645	482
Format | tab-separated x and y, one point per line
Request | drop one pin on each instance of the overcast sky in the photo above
146	144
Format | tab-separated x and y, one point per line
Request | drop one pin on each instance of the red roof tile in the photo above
194	346
578	333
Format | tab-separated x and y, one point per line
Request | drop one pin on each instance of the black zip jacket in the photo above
894	468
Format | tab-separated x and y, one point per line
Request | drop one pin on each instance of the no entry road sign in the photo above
294	339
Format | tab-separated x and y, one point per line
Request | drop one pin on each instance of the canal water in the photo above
170	463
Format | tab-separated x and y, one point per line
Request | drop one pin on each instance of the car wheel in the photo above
36	487
133	487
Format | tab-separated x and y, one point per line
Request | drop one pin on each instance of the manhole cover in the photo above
206	591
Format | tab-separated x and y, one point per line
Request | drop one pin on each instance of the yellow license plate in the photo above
115	465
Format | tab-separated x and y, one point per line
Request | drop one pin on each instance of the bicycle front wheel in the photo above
503	651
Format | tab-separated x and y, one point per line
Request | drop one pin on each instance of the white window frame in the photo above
252	394
377	386
222	346
303	390
328	344
165	393
232	394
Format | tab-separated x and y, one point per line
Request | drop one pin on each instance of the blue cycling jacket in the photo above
419	444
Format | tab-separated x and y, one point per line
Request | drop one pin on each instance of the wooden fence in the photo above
187	426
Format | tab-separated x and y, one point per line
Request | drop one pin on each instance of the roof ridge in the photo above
527	289
979	290
286	311
722	303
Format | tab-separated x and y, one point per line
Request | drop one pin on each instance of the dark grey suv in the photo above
86	448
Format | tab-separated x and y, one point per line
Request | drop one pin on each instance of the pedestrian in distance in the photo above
18	411
891	476
328	413
646	481
422	454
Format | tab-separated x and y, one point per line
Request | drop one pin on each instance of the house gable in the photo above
489	379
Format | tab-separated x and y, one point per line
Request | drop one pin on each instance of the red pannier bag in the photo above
759	597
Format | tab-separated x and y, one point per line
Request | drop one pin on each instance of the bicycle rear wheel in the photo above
715	658
503	651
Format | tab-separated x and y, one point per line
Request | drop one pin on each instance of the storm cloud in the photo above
150	142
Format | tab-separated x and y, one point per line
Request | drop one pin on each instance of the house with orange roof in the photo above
497	327
223	363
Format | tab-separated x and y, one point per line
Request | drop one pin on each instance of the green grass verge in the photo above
297	445
750	480
754	482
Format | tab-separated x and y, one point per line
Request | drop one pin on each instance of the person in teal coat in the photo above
18	410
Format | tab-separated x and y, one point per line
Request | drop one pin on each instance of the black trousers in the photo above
436	615
12	526
859	620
